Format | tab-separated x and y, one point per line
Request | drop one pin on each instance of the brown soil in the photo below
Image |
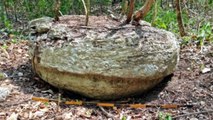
94	21
188	85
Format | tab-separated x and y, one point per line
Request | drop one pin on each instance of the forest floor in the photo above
191	83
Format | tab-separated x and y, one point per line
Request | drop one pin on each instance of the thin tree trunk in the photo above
155	13
5	7
130	11
86	5
141	13
124	7
161	4
57	9
179	19
15	10
88	11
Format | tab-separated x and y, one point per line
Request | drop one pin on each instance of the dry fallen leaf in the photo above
13	116
205	70
38	113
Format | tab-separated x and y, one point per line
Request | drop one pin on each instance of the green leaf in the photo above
168	117
124	118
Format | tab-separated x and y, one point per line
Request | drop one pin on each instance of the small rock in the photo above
211	88
7	81
67	115
4	92
48	91
26	115
202	103
2	114
20	74
13	116
128	117
40	25
37	90
205	70
39	113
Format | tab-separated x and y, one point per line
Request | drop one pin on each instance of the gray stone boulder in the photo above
104	62
40	25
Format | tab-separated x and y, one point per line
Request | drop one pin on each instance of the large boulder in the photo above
103	60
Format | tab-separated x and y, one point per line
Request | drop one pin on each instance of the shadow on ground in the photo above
30	83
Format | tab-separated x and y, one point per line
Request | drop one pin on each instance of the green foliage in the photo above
201	35
6	22
46	103
14	41
124	118
164	116
2	75
205	32
161	15
198	28
165	19
4	46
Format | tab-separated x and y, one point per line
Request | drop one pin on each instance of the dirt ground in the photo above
191	83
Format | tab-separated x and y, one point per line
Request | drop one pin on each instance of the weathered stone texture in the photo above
104	64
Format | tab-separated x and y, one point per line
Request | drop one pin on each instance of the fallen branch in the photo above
188	114
111	104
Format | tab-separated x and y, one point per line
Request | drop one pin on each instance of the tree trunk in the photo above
125	4
179	19
155	13
141	13
87	9
57	9
130	11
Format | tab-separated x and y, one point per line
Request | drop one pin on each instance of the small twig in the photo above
188	114
106	113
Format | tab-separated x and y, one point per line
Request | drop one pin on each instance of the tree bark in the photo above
155	12
88	11
57	9
179	19
141	13
130	11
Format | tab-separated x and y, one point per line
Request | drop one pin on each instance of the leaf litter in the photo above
191	83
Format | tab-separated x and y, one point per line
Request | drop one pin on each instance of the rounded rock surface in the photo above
104	61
